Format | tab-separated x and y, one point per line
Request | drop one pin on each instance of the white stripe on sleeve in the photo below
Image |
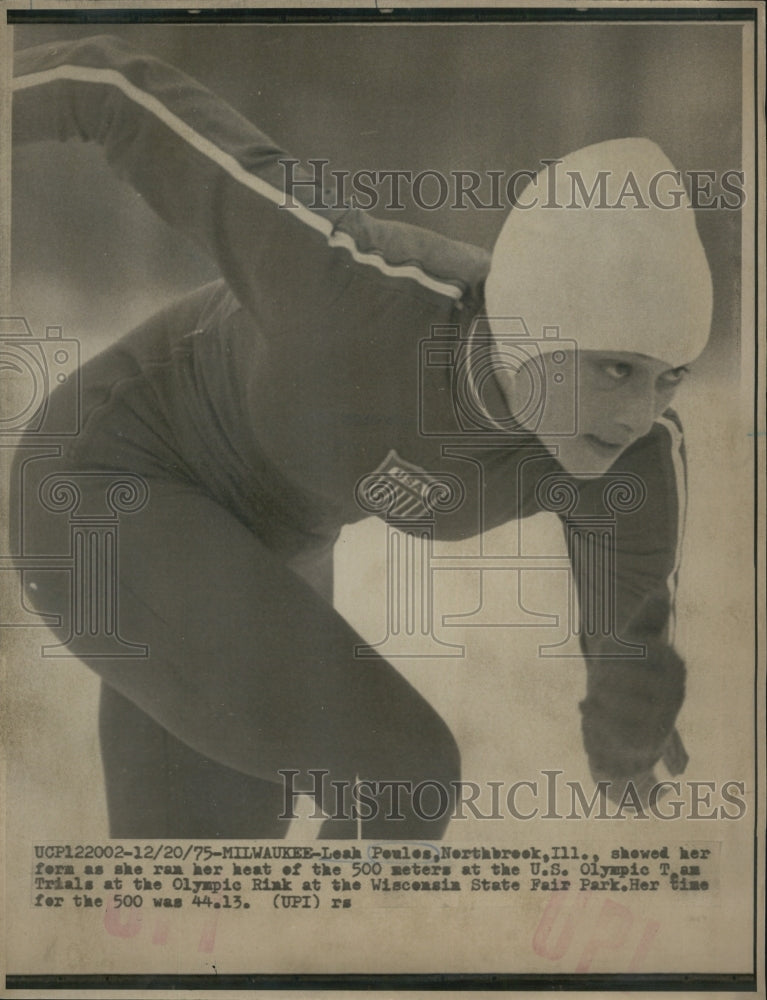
111	77
681	492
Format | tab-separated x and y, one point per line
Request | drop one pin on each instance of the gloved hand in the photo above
629	711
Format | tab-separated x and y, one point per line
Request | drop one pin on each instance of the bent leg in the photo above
157	786
252	671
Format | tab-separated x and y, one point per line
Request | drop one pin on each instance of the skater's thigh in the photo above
245	662
157	786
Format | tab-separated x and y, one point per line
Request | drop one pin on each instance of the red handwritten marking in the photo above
651	929
160	934
208	934
123	923
611	931
546	924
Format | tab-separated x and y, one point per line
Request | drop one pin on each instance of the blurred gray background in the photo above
90	256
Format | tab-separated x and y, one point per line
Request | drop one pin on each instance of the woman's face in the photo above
619	397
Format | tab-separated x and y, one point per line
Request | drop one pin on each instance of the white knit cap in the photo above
628	278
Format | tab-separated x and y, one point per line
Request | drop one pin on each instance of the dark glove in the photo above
630	709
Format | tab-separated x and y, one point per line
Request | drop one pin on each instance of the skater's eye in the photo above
675	375
617	370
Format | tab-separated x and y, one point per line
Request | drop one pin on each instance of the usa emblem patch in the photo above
410	485
397	489
400	490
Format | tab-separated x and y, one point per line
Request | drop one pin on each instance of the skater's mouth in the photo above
603	447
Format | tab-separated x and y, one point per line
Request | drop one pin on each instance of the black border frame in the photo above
511	981
319	15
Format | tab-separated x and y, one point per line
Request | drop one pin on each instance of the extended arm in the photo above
211	174
204	168
635	678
